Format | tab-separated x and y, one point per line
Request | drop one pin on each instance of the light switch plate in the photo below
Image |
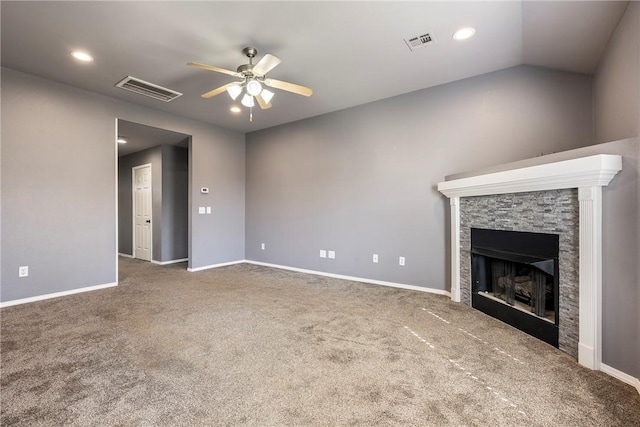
375	258
323	253
332	254
401	261
201	210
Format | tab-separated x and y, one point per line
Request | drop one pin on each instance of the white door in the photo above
142	212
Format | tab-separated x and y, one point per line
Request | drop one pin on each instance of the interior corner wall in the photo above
616	111
58	154
362	181
152	156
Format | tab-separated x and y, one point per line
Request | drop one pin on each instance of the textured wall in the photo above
553	212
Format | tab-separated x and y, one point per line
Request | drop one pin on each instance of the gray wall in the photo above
362	181
616	92
175	203
616	85
59	217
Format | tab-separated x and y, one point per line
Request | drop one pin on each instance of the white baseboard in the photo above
125	255
354	279
56	295
223	264
173	261
624	377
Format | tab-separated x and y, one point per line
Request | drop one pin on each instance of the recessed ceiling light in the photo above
235	109
464	33
82	56
122	141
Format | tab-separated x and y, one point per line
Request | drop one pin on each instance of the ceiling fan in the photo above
253	77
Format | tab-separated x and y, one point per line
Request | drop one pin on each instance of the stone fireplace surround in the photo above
586	174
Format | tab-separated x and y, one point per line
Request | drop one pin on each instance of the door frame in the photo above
133	210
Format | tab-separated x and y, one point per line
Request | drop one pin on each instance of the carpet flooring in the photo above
250	345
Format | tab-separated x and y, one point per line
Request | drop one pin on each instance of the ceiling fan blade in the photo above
217	91
266	64
263	104
212	68
289	87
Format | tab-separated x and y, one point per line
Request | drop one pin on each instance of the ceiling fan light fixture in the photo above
267	95
234	91
254	87
247	101
464	33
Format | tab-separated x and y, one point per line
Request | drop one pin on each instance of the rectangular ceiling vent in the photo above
148	89
418	42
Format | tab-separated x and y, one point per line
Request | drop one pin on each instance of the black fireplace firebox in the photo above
515	278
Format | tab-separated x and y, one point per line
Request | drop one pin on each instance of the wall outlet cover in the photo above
375	258
262	246
401	261
23	271
208	209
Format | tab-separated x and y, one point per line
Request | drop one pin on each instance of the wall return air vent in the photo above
419	41
148	89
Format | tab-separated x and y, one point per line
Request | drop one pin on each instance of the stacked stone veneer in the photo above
554	211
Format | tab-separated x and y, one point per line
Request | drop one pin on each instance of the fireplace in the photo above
515	278
551	187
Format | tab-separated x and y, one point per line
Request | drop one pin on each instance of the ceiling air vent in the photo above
148	89
419	41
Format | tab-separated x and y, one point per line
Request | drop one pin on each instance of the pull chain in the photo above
251	114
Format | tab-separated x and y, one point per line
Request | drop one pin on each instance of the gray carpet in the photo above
249	345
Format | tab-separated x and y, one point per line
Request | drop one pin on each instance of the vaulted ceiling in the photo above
350	53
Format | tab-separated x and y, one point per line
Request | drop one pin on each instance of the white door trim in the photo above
133	211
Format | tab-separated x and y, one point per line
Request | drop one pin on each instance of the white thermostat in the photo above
204	190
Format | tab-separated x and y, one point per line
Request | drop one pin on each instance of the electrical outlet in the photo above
332	254
375	258
208	210
262	246
323	253
401	261
23	271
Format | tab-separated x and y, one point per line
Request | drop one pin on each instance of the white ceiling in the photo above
350	53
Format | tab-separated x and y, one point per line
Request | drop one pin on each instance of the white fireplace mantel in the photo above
588	175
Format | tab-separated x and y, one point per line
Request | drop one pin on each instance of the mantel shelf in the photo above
589	171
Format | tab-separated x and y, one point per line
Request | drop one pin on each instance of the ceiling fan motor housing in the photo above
251	52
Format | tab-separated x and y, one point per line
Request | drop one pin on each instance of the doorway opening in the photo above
153	171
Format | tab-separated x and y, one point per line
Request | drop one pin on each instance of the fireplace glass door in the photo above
515	279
